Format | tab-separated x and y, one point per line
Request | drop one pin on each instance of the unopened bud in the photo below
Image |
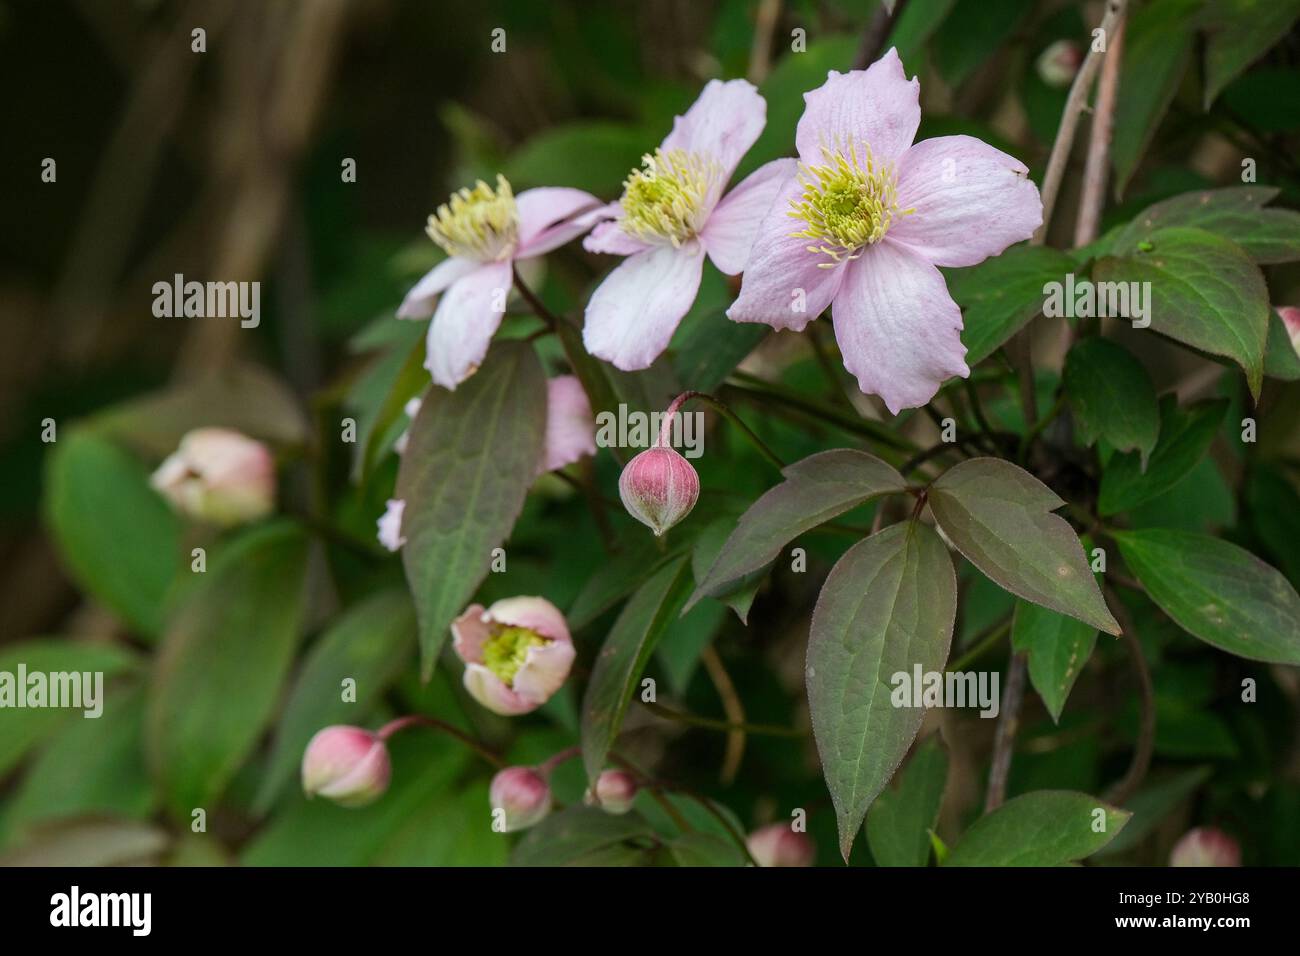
347	765
1059	62
1291	320
1205	846
778	845
614	792
522	795
659	488
219	476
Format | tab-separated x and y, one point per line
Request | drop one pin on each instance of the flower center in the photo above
505	651
480	223
847	203
665	200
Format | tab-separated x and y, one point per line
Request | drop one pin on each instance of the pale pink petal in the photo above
469	633
466	320
729	233
971	201
783	286
1291	319
390	525
897	327
722	123
543	671
610	239
878	107
550	217
632	314
418	303
534	613
490	691
570	425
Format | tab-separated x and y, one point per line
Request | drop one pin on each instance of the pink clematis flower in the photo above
866	220
671	215
485	231
517	653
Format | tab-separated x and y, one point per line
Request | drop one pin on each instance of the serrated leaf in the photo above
1001	294
1000	517
1239	33
368	644
1236	214
1112	396
1185	436
1043	828
815	490
584	836
222	663
1204	292
1058	648
887	606
470	460
631	641
1217	591
901	820
704	849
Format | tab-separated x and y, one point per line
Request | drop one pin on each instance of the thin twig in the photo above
691	720
1142	750
760	52
1004	740
873	41
1088	221
734	710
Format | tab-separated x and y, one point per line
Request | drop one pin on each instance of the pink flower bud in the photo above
659	488
219	476
1205	846
522	796
390	525
346	764
1291	319
614	792
778	845
517	653
1059	62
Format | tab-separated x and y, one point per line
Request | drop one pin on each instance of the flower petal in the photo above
418	303
543	671
877	106
783	286
550	217
632	314
490	691
971	201
570	425
722	123
610	239
469	633
729	233
897	327
465	322
534	613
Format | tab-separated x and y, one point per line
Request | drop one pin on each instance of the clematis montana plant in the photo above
890	468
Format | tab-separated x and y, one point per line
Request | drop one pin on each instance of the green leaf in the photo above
369	644
1000	517
1043	828
1152	804
1204	292
379	398
887	606
619	576
1280	357
913	26
1218	592
451	830
117	536
595	156
1158	41
1275	517
900	821
584	836
1185	436
1236	214
740	596
704	849
1058	648
1239	33
471	457
972	33
1001	294
631	641
711	349
815	490
1112	396
222	664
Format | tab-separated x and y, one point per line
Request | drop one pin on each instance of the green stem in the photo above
722	409
724	726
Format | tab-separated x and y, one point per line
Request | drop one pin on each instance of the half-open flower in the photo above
517	653
219	476
484	232
346	764
614	792
864	224
671	215
520	797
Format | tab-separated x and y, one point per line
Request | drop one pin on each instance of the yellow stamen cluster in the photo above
507	650
480	223
665	201
847	204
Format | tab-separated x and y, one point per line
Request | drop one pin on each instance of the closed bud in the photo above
522	795
1059	62
778	845
1291	321
218	476
659	488
347	765
614	792
1205	846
